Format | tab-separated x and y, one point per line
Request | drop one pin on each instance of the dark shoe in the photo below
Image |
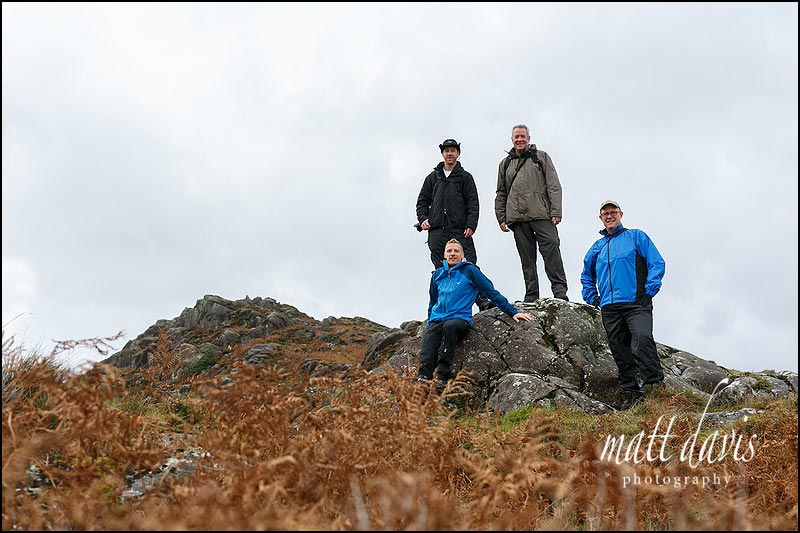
635	400
630	400
483	302
656	386
562	297
485	305
440	385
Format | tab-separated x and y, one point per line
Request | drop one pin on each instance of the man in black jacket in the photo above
447	208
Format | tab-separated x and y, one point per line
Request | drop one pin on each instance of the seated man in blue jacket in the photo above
626	268
453	289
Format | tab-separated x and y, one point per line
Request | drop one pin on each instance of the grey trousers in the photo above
629	327
543	232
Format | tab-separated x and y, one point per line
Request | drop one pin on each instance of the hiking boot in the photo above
440	385
562	297
483	303
635	400
630	400
653	387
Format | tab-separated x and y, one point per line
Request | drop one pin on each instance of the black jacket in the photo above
449	202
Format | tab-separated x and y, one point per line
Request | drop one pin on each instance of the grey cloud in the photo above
271	151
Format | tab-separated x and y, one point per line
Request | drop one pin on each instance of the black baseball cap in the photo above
450	143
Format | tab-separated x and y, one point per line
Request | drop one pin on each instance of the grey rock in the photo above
210	349
379	342
725	417
514	391
228	338
773	386
138	483
699	373
276	321
318	367
210	311
790	378
261	353
739	389
256	333
188	353
176	335
411	326
563	351
250	316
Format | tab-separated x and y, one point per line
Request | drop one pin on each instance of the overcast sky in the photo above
156	153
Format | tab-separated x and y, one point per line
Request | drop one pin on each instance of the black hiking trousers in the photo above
438	347
629	328
542	232
437	239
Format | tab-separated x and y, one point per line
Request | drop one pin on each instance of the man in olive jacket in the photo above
528	202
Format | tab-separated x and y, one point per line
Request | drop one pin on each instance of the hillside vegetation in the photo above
252	447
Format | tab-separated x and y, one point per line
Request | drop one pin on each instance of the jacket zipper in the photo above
446	301
610	283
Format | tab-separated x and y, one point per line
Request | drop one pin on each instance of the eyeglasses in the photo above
609	214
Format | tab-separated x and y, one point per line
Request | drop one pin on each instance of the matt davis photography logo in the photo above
659	444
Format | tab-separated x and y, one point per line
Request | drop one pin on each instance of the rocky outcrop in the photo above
225	324
562	358
216	327
757	385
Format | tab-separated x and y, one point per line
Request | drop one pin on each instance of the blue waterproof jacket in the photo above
453	291
623	266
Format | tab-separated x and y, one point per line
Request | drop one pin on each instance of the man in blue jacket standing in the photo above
626	268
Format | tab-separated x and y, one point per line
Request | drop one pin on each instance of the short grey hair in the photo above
524	127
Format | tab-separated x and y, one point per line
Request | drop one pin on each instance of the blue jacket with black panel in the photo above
623	266
453	291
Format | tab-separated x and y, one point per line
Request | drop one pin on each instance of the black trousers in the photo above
542	232
630	335
438	347
437	239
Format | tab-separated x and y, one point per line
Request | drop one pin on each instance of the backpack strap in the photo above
534	155
519	166
535	159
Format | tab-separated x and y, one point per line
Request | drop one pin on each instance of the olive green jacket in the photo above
533	195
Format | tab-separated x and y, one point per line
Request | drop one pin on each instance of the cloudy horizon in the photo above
156	153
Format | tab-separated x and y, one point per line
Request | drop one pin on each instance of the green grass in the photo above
514	418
